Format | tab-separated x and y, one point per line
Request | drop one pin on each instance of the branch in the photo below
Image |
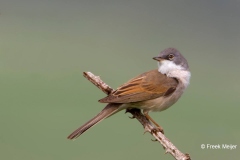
167	145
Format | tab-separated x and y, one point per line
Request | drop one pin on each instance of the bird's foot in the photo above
128	110
154	140
132	117
157	129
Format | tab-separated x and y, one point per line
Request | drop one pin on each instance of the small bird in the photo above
155	90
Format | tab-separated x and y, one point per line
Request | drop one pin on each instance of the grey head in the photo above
172	54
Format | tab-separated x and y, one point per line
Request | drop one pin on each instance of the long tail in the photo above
109	110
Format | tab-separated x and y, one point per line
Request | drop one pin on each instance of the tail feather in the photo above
109	110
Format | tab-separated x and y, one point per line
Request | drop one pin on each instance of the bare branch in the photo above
98	82
167	145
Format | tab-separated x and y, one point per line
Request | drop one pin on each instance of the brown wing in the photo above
146	86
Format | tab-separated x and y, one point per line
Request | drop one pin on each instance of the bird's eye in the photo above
170	56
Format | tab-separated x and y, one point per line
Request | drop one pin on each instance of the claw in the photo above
155	130
154	140
131	117
127	110
162	131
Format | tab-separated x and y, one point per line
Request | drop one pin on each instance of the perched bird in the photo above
155	90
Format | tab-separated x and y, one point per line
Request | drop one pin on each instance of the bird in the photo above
155	90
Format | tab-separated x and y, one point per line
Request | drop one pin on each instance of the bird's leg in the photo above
158	127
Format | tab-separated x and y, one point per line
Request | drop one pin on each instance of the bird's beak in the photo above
158	58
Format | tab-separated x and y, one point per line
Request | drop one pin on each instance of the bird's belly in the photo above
158	104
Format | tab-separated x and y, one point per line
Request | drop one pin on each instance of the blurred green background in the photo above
46	45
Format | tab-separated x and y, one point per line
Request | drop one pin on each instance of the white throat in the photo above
176	71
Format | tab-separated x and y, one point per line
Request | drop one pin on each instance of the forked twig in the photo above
167	145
